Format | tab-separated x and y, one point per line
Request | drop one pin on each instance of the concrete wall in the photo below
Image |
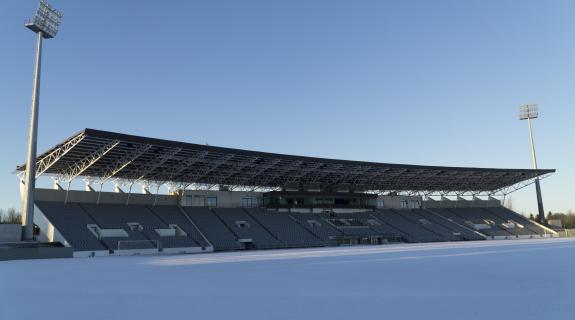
105	197
10	232
230	199
461	203
394	202
33	251
225	199
48	232
189	197
321	210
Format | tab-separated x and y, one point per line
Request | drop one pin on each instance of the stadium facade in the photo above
231	199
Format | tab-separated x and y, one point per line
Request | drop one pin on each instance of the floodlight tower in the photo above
45	24
528	112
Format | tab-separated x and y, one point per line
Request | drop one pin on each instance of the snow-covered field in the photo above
522	279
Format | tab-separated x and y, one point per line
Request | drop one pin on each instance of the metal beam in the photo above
183	166
46	162
119	165
144	170
214	165
152	165
81	166
87	162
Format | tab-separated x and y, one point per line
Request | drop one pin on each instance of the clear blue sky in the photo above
421	82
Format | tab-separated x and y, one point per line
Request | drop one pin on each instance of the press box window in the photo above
403	204
415	204
247	202
211	202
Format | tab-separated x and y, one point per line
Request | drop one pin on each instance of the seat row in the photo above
259	228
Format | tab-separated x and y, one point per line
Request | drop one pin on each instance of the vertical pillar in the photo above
30	178
537	185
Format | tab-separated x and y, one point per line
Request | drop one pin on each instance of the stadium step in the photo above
261	224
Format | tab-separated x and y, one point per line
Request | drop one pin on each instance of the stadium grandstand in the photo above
222	199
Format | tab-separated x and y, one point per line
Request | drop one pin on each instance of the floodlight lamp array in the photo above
528	111
46	20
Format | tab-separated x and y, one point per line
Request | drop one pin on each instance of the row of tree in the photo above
567	219
10	216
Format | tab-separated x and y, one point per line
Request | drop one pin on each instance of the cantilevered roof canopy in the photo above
103	156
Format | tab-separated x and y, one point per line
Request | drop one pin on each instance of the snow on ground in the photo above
514	279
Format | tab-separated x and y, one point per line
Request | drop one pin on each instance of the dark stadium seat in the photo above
318	226
283	227
421	217
530	227
72	222
245	227
475	216
219	235
124	227
413	231
465	231
118	216
174	215
363	224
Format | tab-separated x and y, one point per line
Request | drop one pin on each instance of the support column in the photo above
537	185
30	178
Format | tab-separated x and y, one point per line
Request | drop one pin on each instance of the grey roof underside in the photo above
141	158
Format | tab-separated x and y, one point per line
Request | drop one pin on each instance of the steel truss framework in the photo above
101	156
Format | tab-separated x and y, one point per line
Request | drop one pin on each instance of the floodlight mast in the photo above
528	112
45	24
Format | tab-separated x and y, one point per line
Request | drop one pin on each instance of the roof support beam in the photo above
239	168
145	170
148	168
215	165
46	162
119	165
262	169
80	155
83	165
183	166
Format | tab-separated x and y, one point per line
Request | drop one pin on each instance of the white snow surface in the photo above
508	279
